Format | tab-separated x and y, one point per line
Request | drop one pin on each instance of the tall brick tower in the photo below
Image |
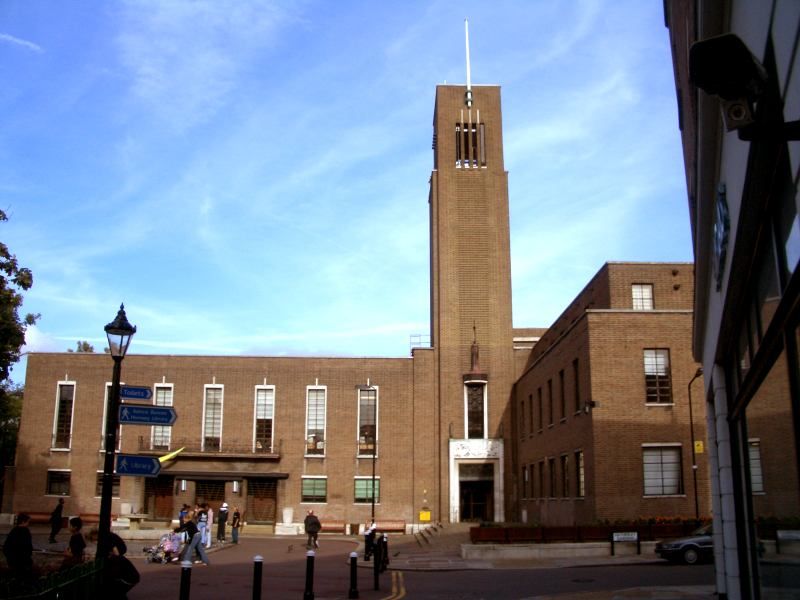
471	330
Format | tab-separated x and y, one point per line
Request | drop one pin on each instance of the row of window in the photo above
315	489
561	477
657	386
662	474
263	439
59	480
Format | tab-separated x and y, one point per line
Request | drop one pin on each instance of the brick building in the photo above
602	410
275	435
736	77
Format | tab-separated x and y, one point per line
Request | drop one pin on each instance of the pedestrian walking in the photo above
222	520
195	540
209	526
236	523
56	520
18	548
312	526
202	522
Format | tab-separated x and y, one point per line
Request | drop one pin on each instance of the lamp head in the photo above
119	333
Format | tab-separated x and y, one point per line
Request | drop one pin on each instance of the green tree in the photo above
13	281
10	412
82	347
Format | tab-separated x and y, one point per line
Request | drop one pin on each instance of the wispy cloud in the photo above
15	41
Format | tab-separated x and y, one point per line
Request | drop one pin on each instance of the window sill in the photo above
661	404
664	496
313	456
60	449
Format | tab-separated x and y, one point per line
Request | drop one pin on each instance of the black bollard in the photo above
309	592
376	565
353	592
186	579
258	568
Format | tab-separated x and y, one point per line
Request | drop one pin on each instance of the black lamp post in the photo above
374	454
119	333
699	373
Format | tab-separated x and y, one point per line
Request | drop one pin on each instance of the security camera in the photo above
724	66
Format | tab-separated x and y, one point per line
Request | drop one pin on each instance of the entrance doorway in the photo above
158	496
262	500
476	491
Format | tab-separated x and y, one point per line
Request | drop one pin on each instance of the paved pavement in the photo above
439	552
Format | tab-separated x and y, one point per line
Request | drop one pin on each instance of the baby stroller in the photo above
167	550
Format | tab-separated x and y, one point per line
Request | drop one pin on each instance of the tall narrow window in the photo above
540	409
662	471
542	491
212	419
756	473
551	467
562	396
525	481
580	489
522	420
483	145
642	296
367	421
658	383
161	435
476	413
530	413
458	145
98	485
103	430
315	421
564	476
264	415
549	401
366	488
576	378
62	428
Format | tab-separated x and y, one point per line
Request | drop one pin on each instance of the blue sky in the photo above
251	177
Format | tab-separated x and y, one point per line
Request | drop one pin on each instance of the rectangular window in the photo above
315	421
657	379
364	490
540	409
542	491
58	483
105	416
98	485
264	416
314	489
662	470
756	474
642	296
476	414
522	420
62	428
576	378
161	435
564	476
367	421
562	396
580	490
525	482
551	467
470	145
530	413
212	419
549	401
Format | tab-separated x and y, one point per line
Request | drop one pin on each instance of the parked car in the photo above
699	546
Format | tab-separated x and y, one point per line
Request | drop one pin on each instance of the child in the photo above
73	555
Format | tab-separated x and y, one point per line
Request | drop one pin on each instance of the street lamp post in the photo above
699	373
374	453
119	333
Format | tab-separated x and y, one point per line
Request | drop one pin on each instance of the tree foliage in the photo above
13	281
82	346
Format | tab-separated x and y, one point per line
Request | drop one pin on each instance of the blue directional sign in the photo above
146	414
142	466
131	392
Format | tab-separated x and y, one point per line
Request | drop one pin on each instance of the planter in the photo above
487	535
521	535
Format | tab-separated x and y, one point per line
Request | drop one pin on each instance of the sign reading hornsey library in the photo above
131	464
146	414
